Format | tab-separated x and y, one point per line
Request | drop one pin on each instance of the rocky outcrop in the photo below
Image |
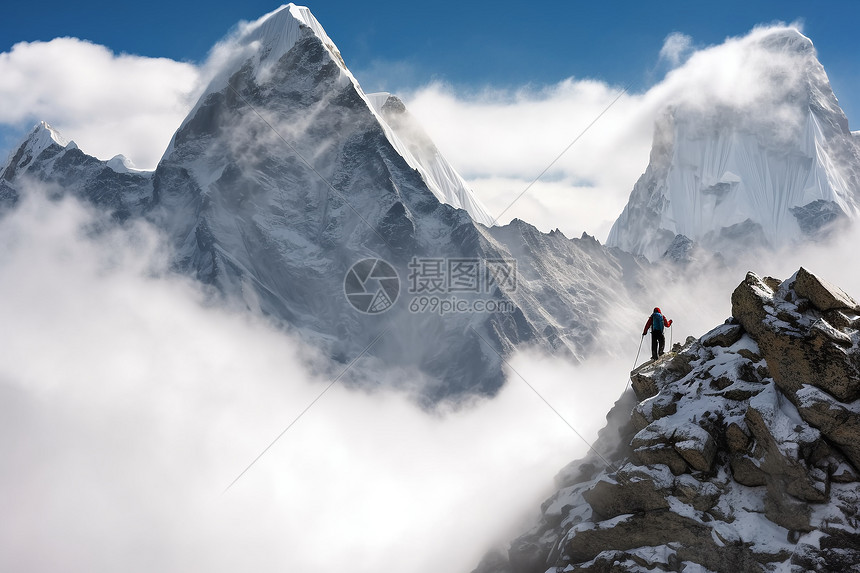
739	451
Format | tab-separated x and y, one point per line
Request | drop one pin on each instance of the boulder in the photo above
610	498
694	542
748	304
786	511
631	531
784	450
837	422
661	454
643	382
696	446
701	495
724	335
798	350
737	438
747	471
823	295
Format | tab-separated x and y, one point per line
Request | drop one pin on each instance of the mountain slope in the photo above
48	158
739	452
285	175
779	167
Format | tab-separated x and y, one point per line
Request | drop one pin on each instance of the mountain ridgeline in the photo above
285	174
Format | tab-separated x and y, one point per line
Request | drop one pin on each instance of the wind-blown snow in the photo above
411	141
265	41
42	137
732	175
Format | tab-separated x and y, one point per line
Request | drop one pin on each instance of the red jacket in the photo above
666	322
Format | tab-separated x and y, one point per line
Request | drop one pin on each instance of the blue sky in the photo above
470	44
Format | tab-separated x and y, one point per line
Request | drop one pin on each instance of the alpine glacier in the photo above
764	173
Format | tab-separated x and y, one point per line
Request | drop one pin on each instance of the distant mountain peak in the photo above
40	138
770	167
43	132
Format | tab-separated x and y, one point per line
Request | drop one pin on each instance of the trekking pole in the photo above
629	379
670	337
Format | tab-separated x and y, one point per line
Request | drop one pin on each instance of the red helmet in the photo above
657	309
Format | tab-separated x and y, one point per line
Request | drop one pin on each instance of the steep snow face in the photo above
277	32
261	44
413	143
730	179
41	138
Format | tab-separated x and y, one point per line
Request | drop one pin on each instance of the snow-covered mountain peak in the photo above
261	44
122	164
41	138
256	52
275	33
759	157
788	39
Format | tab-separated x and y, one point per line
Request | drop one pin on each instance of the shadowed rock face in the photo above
736	452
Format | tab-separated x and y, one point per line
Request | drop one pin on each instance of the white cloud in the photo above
107	103
675	47
128	403
501	140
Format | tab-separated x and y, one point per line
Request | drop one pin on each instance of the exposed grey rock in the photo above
708	471
817	217
661	454
737	437
632	492
799	347
724	335
823	295
838	422
747	471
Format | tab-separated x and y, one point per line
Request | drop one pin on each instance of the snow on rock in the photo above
260	46
122	164
413	143
735	176
731	457
41	138
46	157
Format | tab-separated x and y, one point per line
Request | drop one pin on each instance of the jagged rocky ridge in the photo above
246	214
780	169
739	451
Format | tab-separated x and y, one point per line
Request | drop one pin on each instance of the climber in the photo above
657	322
